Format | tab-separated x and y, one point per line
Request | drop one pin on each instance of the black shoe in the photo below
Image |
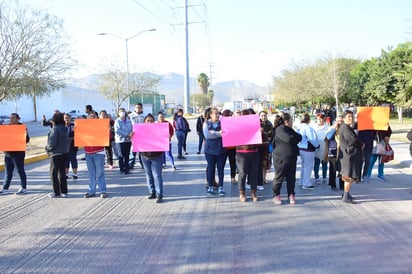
348	201
159	199
198	152
350	196
88	195
75	177
151	196
180	157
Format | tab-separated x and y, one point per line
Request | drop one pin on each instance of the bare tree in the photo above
35	56
113	84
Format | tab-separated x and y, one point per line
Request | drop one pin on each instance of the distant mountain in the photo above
172	86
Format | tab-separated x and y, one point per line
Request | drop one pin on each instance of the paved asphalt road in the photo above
193	233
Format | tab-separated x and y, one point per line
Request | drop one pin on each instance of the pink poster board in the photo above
150	137
241	130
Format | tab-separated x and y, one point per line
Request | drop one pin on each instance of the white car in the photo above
4	120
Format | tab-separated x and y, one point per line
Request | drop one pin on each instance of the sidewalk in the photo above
193	233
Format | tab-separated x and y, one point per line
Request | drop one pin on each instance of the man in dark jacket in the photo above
285	157
58	147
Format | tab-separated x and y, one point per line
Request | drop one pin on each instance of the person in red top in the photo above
161	119
95	157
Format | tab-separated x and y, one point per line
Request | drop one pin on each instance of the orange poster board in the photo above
375	118
91	132
12	137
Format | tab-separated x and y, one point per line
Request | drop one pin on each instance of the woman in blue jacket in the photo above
215	153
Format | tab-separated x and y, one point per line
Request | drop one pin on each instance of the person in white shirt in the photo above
137	117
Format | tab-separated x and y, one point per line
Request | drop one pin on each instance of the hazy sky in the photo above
242	39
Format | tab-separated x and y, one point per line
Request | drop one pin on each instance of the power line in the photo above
149	11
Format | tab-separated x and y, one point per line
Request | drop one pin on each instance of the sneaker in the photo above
324	181
151	196
53	195
4	191
64	195
381	178
164	166
75	177
174	167
277	200
210	191
103	195
366	179
308	187
221	191
292	200
260	188
318	181
88	195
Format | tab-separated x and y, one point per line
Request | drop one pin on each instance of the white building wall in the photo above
64	99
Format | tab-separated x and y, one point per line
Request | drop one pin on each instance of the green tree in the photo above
200	100
203	82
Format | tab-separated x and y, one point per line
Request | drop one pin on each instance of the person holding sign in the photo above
14	159
380	135
123	131
58	146
152	163
215	153
95	156
247	159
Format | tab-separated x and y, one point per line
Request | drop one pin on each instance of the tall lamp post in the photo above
127	56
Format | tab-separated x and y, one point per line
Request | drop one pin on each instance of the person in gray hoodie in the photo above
123	132
58	147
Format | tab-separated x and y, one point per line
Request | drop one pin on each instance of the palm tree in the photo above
203	82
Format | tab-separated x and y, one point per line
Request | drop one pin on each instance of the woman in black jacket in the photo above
58	146
285	156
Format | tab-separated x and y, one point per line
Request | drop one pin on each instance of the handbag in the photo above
389	154
380	146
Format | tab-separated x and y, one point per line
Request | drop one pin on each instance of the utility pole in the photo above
186	94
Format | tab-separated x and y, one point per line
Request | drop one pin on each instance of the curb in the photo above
30	160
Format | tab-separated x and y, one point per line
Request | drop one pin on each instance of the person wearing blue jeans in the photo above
182	128
180	135
152	163
95	167
215	153
95	156
380	135
381	165
15	159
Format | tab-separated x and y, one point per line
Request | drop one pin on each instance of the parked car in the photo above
76	114
4	120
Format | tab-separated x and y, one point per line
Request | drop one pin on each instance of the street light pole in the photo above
127	58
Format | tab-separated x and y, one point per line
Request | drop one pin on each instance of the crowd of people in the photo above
333	150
